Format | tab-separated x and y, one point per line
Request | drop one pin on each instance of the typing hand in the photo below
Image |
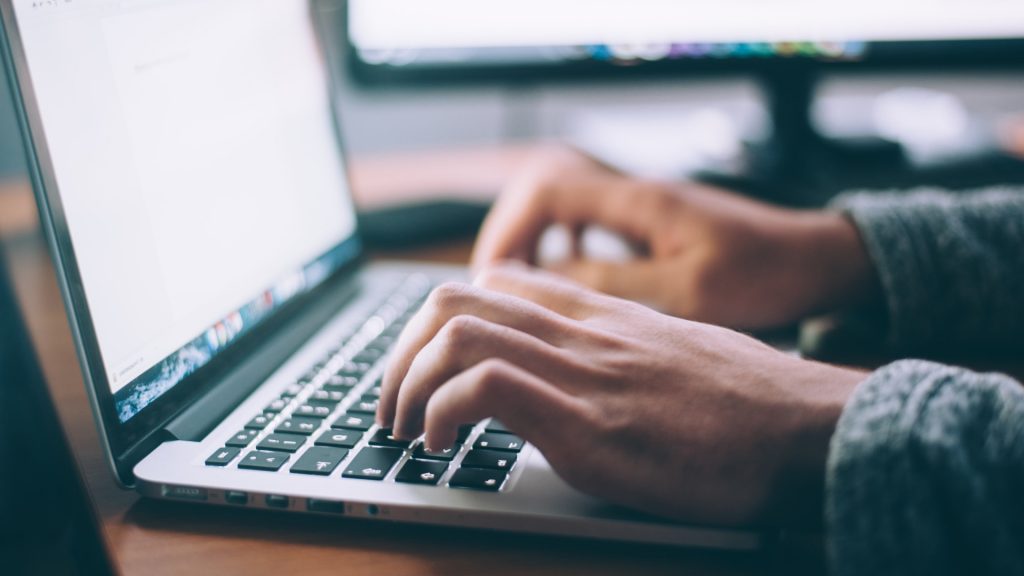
707	254
646	410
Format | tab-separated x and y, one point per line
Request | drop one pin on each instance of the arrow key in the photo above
319	460
421	472
445	454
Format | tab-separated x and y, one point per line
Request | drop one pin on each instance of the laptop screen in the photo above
194	150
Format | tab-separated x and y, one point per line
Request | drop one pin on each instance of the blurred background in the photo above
663	124
953	104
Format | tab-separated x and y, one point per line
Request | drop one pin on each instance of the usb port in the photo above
233	497
325	506
274	501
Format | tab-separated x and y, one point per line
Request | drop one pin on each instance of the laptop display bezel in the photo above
127	442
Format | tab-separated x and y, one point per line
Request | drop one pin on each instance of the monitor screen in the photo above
471	33
194	151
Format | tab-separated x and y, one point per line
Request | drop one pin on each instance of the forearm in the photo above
925	473
950	266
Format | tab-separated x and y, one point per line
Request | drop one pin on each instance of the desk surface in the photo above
152	538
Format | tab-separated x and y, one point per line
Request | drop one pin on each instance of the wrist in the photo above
822	392
837	272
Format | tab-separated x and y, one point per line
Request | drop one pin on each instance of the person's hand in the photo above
645	410
707	254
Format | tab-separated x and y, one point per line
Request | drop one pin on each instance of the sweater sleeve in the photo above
926	474
951	265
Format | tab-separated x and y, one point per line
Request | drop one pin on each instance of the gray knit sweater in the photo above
926	468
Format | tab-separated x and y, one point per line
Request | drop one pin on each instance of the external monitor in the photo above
393	40
785	43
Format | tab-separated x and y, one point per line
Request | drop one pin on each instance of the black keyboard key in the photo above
355	369
319	460
222	457
464	431
313	411
362	407
339	438
491	459
315	370
446	454
370	402
382	343
282	442
299	425
422	472
326	403
270	461
360	422
478	479
373	463
497	426
292	390
259	423
383	437
368	356
494	441
242	438
341	383
276	406
327	396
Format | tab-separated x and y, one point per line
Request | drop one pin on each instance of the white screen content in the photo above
420	24
194	150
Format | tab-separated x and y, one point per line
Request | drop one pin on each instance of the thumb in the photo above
640	280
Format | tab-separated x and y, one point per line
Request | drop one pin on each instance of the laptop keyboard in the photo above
323	425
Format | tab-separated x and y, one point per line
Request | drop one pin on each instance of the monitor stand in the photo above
797	165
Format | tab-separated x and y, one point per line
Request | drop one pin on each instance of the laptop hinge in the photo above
210	409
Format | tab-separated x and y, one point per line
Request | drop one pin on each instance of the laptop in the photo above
191	182
50	527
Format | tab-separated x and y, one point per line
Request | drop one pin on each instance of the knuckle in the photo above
461	331
447	297
491	376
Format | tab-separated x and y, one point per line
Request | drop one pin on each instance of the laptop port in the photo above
325	506
185	493
233	497
274	501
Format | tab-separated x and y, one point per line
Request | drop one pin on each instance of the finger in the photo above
513	227
464	342
447	302
521	215
638	280
539	412
549	290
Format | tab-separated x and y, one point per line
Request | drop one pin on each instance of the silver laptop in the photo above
190	179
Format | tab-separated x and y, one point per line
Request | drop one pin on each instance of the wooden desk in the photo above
154	538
